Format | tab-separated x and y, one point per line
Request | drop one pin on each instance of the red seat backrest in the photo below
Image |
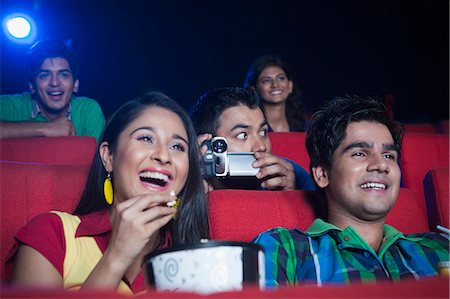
51	150
437	196
239	215
408	215
420	128
420	153
291	145
31	189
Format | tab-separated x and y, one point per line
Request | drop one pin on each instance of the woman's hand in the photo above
135	232
135	223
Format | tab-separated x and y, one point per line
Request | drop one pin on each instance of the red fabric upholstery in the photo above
436	287
239	215
30	189
52	150
420	128
290	145
420	153
437	196
408	215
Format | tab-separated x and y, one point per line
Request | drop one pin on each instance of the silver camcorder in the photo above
217	162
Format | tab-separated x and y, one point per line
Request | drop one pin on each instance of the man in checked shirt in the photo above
354	150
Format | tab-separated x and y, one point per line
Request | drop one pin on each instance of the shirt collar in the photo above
95	223
36	110
390	234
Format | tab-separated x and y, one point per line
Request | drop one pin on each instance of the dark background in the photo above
185	47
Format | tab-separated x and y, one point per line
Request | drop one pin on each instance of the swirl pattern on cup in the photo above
171	269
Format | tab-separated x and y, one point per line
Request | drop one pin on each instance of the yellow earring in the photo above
108	189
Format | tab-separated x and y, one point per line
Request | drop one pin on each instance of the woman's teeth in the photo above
154	175
155	178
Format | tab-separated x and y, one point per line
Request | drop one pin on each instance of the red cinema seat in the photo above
239	215
290	145
427	288
408	215
51	150
437	197
428	128
420	153
30	189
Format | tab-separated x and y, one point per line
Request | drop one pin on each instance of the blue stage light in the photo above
19	28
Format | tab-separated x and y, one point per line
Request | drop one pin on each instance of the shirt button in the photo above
347	238
366	254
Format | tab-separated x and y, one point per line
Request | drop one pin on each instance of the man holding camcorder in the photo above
247	162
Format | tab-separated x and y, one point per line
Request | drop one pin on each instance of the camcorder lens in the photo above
219	146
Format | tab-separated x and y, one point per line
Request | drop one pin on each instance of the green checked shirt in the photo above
326	254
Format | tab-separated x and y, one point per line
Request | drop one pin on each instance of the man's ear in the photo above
31	88
76	84
321	177
106	155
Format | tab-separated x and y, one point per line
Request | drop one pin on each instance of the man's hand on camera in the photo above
275	172
200	139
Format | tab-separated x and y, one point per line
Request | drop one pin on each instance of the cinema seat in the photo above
290	145
420	153
29	189
427	128
436	189
428	288
73	150
239	215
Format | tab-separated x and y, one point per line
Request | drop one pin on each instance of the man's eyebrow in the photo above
264	123
240	126
359	144
389	147
363	144
48	71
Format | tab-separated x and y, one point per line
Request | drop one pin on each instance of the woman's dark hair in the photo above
294	112
191	223
329	125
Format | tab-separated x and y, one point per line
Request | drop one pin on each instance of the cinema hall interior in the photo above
224	149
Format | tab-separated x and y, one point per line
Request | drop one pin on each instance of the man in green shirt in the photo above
50	109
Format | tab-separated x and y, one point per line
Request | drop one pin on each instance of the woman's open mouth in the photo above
154	178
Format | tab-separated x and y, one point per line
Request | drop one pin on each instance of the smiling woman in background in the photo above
147	158
270	77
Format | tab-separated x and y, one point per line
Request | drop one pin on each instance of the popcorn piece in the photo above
173	203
